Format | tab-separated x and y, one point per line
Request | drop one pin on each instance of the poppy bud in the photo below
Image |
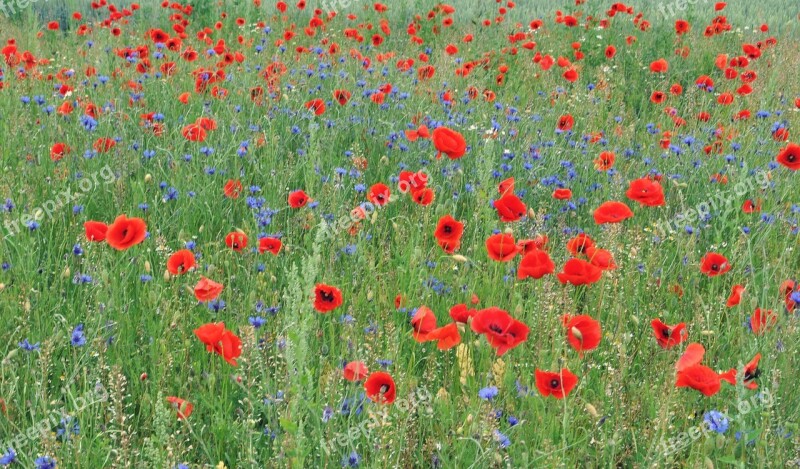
509	231
459	258
167	276
143	377
200	230
635	320
370	295
66	273
2	286
577	333
147	266
148	178
591	410
27	306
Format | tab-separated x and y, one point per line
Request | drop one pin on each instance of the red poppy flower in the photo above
612	212
194	133
790	157
750	206
380	388
355	371
317	106
669	336
58	151
510	207
126	232
411	182
233	188
448	233
751	372
538	243
424	196
501	247
536	264
207	290
182	407
95	231
562	194
446	337
700	378
341	96
762	320
210	333
579	272
298	199
693	355
326	298
181	262
502	331
461	313
580	244
236	240
735	297
601	258
583	332
268	244
556	384
379	194
221	341
659	66
506	186
423	322
714	264
565	123
449	142
647	192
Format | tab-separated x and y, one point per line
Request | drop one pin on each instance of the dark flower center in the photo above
554	383
384	388
327	296
496	328
750	375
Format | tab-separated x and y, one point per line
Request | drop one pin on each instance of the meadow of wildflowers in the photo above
255	233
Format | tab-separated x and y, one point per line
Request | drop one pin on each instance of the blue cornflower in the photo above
716	421
256	321
25	345
352	460
78	338
45	462
488	393
8	458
